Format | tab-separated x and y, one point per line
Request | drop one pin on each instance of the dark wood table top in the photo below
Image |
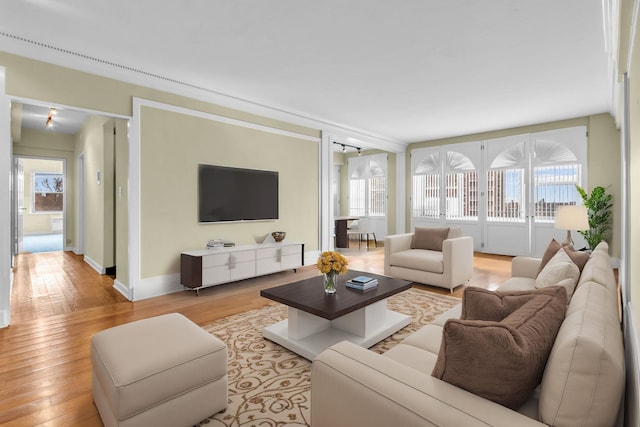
308	295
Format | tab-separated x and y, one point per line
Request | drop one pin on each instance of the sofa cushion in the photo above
551	250
599	270
414	357
517	284
559	271
585	374
502	361
426	338
419	259
578	257
429	238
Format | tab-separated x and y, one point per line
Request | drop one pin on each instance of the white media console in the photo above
209	267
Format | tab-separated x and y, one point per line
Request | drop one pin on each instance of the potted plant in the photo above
598	205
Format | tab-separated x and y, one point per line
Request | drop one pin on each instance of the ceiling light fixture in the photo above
344	147
49	122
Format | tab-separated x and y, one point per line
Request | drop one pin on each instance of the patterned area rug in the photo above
268	384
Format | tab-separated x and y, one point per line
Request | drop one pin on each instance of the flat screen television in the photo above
236	194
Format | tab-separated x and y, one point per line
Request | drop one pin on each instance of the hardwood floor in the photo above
59	302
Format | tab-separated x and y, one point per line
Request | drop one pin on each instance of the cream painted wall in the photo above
35	143
27	78
172	146
603	158
604	169
42	81
89	140
108	194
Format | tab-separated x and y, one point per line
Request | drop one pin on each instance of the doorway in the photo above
40	206
92	148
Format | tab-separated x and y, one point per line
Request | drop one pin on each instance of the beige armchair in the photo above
448	268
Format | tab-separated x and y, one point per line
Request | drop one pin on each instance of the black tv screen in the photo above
235	194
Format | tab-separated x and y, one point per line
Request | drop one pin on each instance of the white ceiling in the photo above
405	71
66	120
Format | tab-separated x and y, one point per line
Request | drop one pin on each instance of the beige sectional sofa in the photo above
582	384
448	268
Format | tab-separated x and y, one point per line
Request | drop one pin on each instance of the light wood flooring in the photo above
59	302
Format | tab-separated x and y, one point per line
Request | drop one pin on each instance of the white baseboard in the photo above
156	286
71	249
124	290
5	318
97	267
5	310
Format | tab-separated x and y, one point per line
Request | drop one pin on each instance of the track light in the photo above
344	147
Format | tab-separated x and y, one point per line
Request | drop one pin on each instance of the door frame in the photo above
80	177
6	155
14	235
6	149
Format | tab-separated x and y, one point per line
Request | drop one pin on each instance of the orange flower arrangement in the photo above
331	264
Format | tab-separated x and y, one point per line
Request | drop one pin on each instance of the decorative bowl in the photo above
278	236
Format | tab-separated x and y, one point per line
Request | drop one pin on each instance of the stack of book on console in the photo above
362	283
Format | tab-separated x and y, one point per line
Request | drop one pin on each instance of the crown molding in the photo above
56	55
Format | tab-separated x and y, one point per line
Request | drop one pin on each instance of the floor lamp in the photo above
571	218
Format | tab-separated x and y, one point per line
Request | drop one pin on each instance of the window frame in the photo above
46	175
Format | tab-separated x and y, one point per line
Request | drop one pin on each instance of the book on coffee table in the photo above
362	280
361	286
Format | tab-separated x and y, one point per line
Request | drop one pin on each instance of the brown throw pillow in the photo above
551	250
429	238
579	258
504	360
481	304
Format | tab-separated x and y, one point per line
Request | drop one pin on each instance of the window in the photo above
48	192
556	173
357	197
460	186
426	196
368	186
505	195
377	196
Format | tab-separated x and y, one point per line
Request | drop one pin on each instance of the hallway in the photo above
48	284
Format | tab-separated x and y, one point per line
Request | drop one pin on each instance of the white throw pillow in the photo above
559	271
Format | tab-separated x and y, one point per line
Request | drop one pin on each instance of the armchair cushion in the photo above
501	359
419	259
429	238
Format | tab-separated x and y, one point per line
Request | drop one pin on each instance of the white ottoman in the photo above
162	371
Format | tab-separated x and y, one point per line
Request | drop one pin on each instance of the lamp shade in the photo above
570	217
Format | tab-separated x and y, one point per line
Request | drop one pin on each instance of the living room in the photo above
174	127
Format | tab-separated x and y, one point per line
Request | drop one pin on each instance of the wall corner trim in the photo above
97	267
125	291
